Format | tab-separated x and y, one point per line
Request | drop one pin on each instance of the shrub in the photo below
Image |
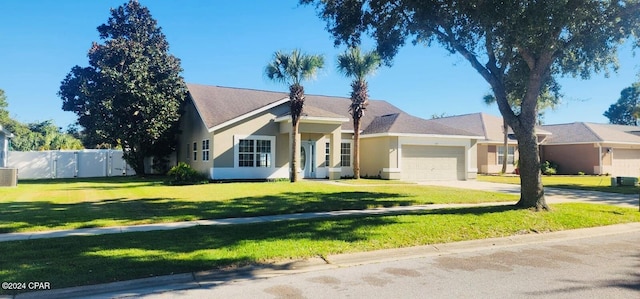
549	168
183	174
580	172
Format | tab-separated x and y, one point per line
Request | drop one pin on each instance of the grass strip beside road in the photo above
74	261
579	182
86	203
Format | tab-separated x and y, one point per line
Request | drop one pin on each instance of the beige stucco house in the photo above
235	133
594	148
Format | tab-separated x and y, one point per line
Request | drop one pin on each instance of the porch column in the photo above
335	139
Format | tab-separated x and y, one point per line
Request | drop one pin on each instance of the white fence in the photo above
69	164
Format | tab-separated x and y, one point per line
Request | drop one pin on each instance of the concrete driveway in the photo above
553	195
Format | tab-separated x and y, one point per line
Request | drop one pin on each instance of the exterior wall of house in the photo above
488	159
194	130
574	158
260	127
375	157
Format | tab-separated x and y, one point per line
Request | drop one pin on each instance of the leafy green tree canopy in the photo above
131	93
523	41
626	110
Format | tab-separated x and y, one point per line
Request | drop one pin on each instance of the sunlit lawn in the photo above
582	182
81	203
75	261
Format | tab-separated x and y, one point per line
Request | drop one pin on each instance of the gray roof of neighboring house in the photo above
407	124
483	124
581	132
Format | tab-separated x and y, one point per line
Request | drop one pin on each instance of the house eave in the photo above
247	115
595	143
314	119
421	135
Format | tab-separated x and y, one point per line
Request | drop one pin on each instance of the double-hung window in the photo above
327	155
195	151
510	154
345	154
254	152
205	150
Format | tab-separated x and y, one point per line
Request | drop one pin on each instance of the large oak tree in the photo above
526	40
131	93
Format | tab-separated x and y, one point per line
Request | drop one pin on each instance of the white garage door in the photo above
626	162
432	163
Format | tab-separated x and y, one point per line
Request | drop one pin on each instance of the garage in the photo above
432	163
626	162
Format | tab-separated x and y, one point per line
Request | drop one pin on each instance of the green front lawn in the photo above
581	182
75	261
80	203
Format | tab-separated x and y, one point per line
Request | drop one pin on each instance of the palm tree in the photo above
291	69
353	63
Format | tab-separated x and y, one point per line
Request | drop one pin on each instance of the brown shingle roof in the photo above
218	105
581	132
402	123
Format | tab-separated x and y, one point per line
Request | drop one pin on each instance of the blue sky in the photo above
228	43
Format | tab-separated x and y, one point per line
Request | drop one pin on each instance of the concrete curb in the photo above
212	278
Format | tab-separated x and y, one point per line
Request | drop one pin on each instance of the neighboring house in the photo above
594	148
491	148
234	133
4	146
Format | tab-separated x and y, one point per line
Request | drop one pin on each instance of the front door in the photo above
308	159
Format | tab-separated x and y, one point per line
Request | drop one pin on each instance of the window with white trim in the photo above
195	151
345	154
254	153
327	155
510	154
205	150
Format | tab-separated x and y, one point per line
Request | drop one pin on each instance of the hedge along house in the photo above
4	146
491	148
233	133
594	148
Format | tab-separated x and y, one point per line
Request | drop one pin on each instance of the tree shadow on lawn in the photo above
20	216
117	180
71	261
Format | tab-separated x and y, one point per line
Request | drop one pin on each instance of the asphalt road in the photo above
593	267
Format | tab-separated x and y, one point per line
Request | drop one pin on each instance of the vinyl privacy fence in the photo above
69	164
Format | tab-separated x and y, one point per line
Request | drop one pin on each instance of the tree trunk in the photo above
505	157
294	177
532	191
296	103
523	126
356	148
135	160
